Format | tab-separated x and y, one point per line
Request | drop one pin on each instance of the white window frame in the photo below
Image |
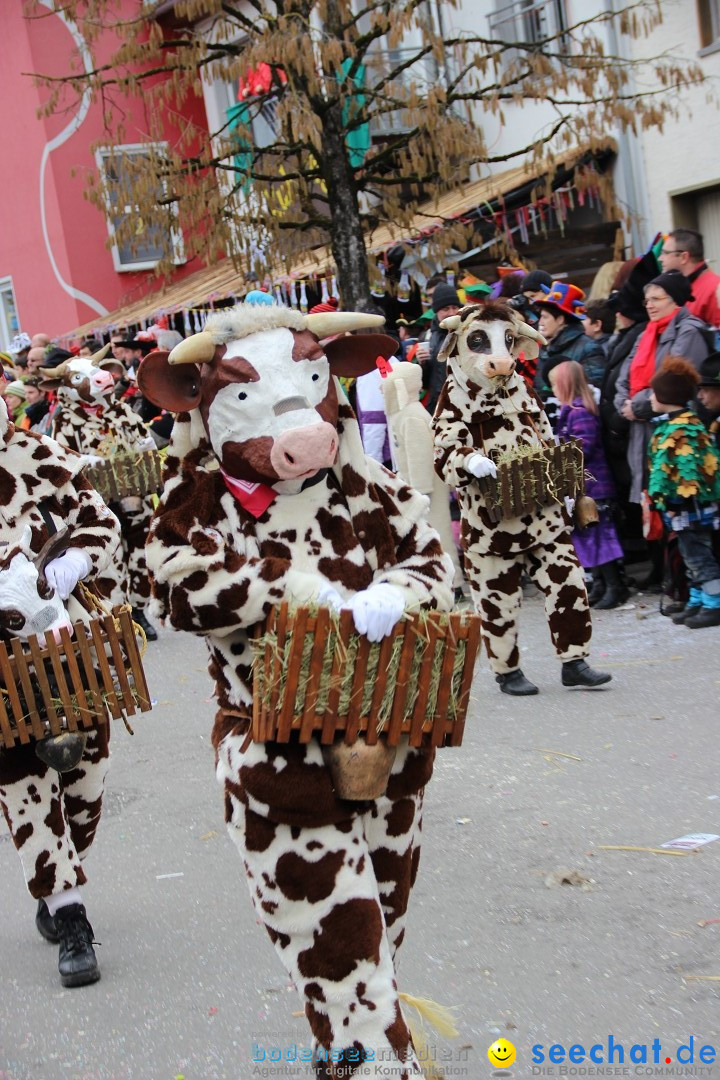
178	247
7	333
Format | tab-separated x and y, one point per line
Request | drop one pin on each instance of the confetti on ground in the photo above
691	841
707	978
708	922
209	835
163	877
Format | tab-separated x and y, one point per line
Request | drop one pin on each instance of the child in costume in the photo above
598	547
684	485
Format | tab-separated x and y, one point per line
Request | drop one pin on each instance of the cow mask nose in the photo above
102	381
304	451
498	366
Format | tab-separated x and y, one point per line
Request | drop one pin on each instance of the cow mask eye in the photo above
478	341
13	620
77	378
509	339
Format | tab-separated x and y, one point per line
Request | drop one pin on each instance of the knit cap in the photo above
676	381
675	285
535	280
331	304
444	295
17	388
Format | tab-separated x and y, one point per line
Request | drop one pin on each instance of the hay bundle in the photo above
314	674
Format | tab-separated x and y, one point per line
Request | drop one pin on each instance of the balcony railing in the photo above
529	22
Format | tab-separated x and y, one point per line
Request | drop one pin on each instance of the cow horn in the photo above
55	372
56	544
198	349
324	323
100	355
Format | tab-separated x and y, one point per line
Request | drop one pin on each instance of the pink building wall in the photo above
62	272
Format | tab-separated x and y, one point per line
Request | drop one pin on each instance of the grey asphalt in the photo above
190	984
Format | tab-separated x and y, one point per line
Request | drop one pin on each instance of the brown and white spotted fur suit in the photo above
475	413
83	429
329	878
52	817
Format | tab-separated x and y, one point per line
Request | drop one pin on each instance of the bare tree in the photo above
367	110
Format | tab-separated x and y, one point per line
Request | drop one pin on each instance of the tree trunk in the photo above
346	235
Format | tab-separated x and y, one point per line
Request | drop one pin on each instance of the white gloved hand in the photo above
569	505
302	587
131	504
376	610
328	596
93	459
480	465
65	572
144	444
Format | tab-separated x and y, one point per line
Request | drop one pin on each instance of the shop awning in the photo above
223	280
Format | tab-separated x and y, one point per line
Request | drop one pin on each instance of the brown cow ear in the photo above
50	384
114	367
173	387
352	355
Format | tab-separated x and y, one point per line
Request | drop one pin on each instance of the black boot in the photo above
615	593
579	673
515	683
46	923
706	616
139	617
598	587
687	613
77	962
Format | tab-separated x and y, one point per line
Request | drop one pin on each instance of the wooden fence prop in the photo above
314	675
77	683
537	476
126	474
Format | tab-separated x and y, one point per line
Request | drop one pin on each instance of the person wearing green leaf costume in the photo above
684	485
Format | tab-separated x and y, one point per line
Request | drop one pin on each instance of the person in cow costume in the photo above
268	496
486	408
90	420
54	531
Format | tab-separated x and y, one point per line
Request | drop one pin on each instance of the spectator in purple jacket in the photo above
597	546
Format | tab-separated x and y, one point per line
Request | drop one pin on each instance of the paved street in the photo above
190	982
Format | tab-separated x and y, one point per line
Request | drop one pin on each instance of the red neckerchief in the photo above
255	498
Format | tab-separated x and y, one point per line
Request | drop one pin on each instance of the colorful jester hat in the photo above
684	461
564	298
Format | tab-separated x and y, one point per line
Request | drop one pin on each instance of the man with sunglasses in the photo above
683	250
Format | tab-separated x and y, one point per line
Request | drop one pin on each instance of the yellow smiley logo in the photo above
501	1053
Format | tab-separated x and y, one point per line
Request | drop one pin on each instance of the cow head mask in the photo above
89	380
484	342
261	380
